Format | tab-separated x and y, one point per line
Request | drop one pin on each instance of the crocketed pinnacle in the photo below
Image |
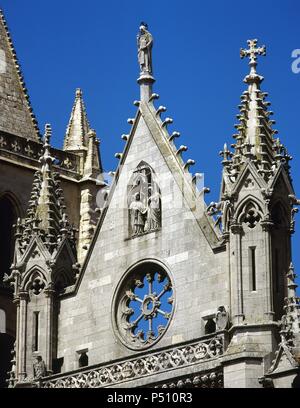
290	327
255	136
77	131
291	319
92	165
46	215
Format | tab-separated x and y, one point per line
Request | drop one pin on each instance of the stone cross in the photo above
253	51
2	142
15	146
29	151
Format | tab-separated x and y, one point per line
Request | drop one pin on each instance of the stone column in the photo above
269	305
22	336
236	276
145	83
49	293
17	303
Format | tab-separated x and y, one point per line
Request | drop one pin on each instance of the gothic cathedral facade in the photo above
137	282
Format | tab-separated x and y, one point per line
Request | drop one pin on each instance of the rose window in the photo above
145	306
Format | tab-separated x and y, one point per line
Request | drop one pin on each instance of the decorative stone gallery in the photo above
181	357
136	281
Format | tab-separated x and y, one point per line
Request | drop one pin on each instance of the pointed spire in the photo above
46	212
92	165
16	114
77	131
289	330
254	137
146	79
291	319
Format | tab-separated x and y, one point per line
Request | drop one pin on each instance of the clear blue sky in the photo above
91	44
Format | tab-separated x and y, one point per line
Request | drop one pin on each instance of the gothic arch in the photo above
143	169
249	212
281	255
143	201
227	214
15	202
34	281
280	215
248	199
62	279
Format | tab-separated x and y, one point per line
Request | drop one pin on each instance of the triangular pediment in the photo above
284	361
147	119
36	251
249	179
281	177
149	142
64	251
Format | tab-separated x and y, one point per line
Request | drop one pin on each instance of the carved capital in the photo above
49	291
236	227
267	225
23	295
267	193
225	236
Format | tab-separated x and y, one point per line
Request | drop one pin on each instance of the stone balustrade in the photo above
150	364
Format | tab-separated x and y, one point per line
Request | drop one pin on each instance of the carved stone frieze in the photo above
207	380
18	146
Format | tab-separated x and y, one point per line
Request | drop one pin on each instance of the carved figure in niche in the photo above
222	318
145	42
144	201
39	368
138	215
153	212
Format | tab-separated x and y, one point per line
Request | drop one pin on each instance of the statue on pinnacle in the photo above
145	42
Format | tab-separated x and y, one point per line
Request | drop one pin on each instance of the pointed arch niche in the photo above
250	251
143	201
281	256
9	212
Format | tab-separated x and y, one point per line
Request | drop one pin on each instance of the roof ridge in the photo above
19	74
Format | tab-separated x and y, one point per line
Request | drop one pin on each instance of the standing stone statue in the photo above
153	215
145	42
222	318
137	212
39	368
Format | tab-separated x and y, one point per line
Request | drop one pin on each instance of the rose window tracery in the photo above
145	307
36	284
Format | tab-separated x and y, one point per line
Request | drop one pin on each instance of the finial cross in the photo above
253	51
